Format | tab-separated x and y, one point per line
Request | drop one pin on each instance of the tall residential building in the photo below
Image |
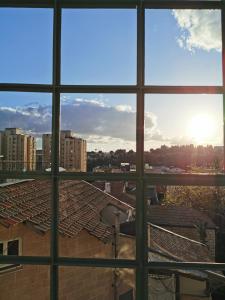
73	151
18	150
39	159
46	150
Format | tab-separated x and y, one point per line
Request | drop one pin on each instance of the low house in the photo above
173	284
185	221
86	229
89	222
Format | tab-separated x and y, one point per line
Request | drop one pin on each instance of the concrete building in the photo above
18	150
39	159
46	150
73	151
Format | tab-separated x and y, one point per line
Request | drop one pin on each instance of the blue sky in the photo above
99	47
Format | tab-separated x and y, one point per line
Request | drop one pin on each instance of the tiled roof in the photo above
176	246
117	190
80	204
181	216
170	244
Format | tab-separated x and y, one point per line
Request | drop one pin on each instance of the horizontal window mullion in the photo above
185	265
183	4
26	260
98	89
25	175
20	87
160	4
69	261
167	179
27	3
156	89
186	179
98	3
97	262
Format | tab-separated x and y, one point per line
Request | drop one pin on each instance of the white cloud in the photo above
97	102
123	107
200	29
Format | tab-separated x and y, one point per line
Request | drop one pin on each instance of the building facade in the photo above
73	151
18	150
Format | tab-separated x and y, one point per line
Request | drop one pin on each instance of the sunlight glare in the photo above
201	128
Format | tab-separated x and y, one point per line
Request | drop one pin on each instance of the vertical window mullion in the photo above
223	74
141	234
55	152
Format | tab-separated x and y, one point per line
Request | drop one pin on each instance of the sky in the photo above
182	47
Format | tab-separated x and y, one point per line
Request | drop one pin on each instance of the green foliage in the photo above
210	200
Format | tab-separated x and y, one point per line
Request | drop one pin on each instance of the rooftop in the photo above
80	207
178	216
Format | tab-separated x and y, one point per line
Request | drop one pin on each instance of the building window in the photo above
11	247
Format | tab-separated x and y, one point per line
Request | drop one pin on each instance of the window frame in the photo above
141	264
9	267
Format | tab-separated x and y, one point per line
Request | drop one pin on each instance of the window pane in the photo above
99	46
25	216
103	125
26	37
186	224
95	283
13	247
184	48
24	119
183	132
25	282
197	283
93	218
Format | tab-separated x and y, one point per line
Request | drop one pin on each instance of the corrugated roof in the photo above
180	216
80	204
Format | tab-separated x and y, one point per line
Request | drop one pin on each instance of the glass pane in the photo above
102	125
26	37
24	119
25	282
186	223
194	284
183	133
93	218
96	283
13	247
25	216
184	49
99	46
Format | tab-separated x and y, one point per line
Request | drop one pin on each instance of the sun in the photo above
201	128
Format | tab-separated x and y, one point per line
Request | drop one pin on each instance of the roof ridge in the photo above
111	196
176	234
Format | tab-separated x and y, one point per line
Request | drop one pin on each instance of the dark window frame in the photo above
141	264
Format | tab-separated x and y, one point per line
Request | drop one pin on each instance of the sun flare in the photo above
201	128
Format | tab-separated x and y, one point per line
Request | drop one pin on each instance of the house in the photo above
87	228
92	224
173	284
185	221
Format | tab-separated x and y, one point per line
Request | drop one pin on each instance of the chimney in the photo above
107	187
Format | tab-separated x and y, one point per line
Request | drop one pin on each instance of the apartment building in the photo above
73	151
18	150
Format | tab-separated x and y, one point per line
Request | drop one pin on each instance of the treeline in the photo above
184	157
